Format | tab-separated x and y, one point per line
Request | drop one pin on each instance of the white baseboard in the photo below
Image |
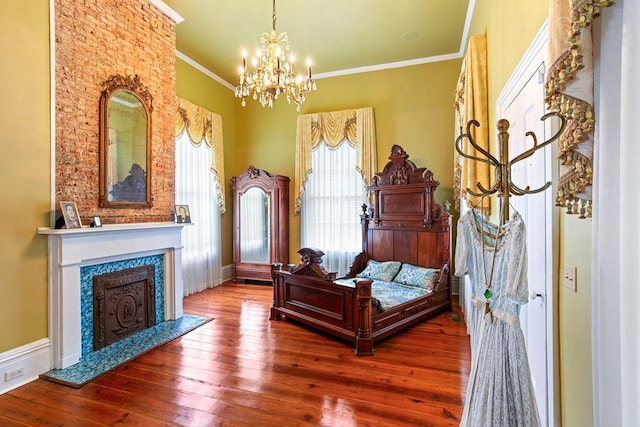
227	272
24	364
455	285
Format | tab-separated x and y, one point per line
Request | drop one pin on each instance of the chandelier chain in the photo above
273	16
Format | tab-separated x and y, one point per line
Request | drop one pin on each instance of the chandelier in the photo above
272	74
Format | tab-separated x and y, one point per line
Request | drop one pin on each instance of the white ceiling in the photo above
340	36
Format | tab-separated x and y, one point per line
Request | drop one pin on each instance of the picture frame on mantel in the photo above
182	214
70	215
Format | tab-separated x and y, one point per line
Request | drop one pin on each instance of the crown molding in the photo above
164	8
205	70
357	70
379	67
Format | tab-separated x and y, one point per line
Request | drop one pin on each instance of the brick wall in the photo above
95	39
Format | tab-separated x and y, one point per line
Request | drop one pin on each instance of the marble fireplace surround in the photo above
71	249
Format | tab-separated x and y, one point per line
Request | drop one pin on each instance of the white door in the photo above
523	107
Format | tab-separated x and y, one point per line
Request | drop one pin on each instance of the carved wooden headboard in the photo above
404	223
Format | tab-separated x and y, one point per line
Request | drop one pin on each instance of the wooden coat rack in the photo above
503	185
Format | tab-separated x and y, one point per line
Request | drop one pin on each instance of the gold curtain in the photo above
569	89
201	124
471	103
357	127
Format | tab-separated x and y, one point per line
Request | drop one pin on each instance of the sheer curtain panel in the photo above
201	264
331	203
199	184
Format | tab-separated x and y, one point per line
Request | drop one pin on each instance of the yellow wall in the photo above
575	324
25	170
202	90
510	27
413	108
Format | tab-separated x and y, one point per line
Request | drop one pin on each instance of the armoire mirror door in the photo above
261	223
255	231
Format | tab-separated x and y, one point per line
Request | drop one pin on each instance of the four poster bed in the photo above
401	277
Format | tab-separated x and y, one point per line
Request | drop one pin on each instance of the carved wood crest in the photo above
131	83
400	170
311	265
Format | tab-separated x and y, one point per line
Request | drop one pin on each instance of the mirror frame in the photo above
132	85
276	188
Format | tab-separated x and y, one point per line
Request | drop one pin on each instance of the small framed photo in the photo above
97	222
182	214
70	214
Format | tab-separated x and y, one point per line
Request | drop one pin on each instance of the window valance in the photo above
203	125
569	89
357	127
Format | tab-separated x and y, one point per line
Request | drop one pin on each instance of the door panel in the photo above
524	111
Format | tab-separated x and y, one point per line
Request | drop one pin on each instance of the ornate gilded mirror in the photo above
125	143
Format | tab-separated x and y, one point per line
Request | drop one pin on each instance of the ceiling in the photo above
340	36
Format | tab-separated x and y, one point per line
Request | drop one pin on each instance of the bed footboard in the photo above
307	294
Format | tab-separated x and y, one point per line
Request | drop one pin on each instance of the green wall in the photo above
413	108
25	170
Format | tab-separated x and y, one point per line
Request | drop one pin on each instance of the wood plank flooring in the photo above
241	369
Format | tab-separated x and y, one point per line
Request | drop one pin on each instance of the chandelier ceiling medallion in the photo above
272	74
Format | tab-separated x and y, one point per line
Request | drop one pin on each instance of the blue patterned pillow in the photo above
412	275
384	271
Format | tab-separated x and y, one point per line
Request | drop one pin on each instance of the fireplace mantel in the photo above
71	249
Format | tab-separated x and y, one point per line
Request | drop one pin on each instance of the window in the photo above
196	187
331	206
335	162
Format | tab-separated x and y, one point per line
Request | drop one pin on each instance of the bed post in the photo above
274	314
364	342
364	224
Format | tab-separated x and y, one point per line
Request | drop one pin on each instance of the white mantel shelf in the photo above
111	228
71	249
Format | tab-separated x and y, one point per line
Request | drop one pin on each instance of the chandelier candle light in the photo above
272	74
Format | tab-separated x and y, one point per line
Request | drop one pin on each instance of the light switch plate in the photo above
569	277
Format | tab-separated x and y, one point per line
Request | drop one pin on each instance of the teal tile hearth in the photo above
107	358
86	291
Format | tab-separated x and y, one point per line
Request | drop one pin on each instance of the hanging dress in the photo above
500	390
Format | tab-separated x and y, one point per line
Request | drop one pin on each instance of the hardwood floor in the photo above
228	373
